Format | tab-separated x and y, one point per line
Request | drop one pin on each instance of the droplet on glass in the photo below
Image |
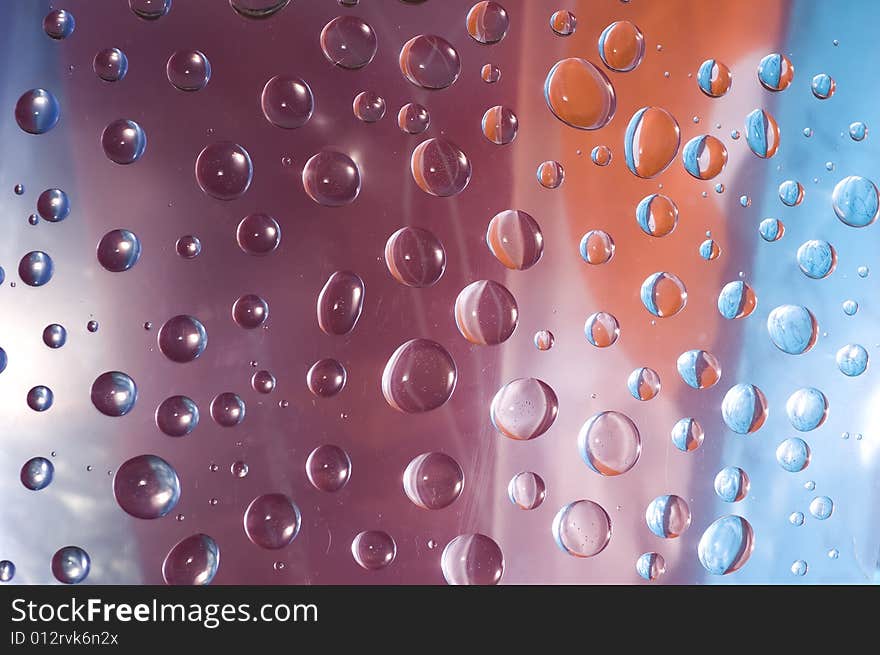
340	303
368	106
123	141
188	70
415	257
440	168
348	42
472	559
373	549
37	111
419	376
430	62
433	480
579	94
114	393
182	338
582	529
147	487
487	22
775	72
610	443
272	521
224	170
326	378
250	311
651	141
524	409
192	561
331	178
177	416
622	46
119	250
258	234
726	545
227	409
328	468
110	64
71	564
413	118
526	490
59	24
287	102
37	473
744	408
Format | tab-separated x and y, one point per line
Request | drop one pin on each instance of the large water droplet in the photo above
124	141
744	408
817	259
472	559
119	250
373	549
413	118
147	487
550	174
486	313
272	521
657	215
340	303
182	338
114	393
258	234
704	157
601	329
582	528
852	360
622	46
224	170
37	111
368	106
775	72
440	168
807	409
188	70
663	294
855	200
487	22
192	561
762	133
736	300
328	468
515	238
597	247
650	566
59	24
610	443
415	257
36	268
37	473
668	516
71	565
821	507
793	455
349	42
430	62
651	141
823	86
714	78
792	329
433	480
53	205
331	178
524	408
177	416
726	545
731	484
526	490
150	9
250	311
227	409
40	398
419	376
500	125
687	435
110	64
326	378
287	101
579	94
54	335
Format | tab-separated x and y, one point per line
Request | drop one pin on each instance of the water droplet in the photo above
271	521
791	193
124	141
563	22
440	168
863	271
858	131
36	268
114	393
110	64
340	303
792	329
643	383
771	229
37	111
37	473
188	70
263	382
287	101
796	518
92	326
40	398
731	484
119	250
472	559
258	234
821	507
413	118
373	549
328	468
490	73
726	545
227	409
524	409
775	72
331	178
601	329
419	376
714	78
601	155
622	46
224	170
349	42
709	250
430	62
485	313
852	360
177	416
326	378
182	338
597	247
59	24
793	455
7	570
650	566
651	141
526	490
823	86
487	22
250	311
500	125
807	409
687	435
188	246
850	307
544	340
433	480
550	174
71	564
833	553
192	561
582	528
610	443
579	94
736	300
54	335
817	259
515	238
744	408
855	200
663	294
147	487
657	215
704	157
668	516
368	106
258	8
150	9
415	257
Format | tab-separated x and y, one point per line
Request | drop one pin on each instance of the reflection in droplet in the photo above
114	393
657	215
373	549
579	94
601	329
419	376
37	473
744	408
123	141
472	559
349	42
177	416
490	73
858	131
731	484
227	409
643	383
415	257
430	62
258	8
597	247
793	455
368	106
192	561
182	338
762	133
188	246
250	311
40	398
526	490
119	250
110	64
326	378
821	507
775	72
582	528
823	86
791	193
687	435
601	155
852	359
500	125
524	409
440	168
622	46
544	340
563	22
54	336
36	268
53	205
340	303
7	570
263	382
147	487
287	102
610	443
663	294
258	234
413	118
328	468
433	480
651	141
331	178
726	545
272	521
71	565
515	238
807	409
736	300
714	78
651	566
817	259
487	22
856	201
59	24
792	329
188	70
224	170
771	229
550	174
704	157
37	111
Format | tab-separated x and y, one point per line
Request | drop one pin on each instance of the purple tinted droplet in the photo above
177	416
440	168
119	250
368	106
413	118
349	42
486	313
487	22
250	311
37	111
110	64
287	102
326	378
263	382
192	561
53	205
71	565
373	549
258	8
258	234
59	24
114	393
123	141
328	468
419	376
147	487
150	9
188	70
271	521
36	268
430	62
415	257
472	559
331	178
188	246
182	338
433	480
340	303
227	409
224	170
